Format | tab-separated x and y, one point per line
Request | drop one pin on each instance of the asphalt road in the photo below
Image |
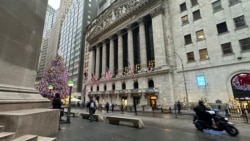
156	130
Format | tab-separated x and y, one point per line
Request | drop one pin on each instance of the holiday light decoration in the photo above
57	76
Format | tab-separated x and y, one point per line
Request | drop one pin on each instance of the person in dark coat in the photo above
57	104
112	107
179	107
91	105
107	107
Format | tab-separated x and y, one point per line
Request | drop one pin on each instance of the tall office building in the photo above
72	38
103	4
163	51
50	19
55	32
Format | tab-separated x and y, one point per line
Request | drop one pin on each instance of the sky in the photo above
54	3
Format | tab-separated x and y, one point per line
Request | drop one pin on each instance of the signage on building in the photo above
201	81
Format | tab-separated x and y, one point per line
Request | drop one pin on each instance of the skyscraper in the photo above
55	31
50	19
72	38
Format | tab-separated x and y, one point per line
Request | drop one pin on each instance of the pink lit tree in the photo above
57	77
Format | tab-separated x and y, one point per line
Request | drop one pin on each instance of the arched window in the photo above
123	86
136	85
91	89
151	84
97	89
105	87
113	86
241	85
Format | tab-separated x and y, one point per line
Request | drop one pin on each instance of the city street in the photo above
158	128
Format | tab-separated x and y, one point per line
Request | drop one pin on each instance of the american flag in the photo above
131	69
93	78
107	74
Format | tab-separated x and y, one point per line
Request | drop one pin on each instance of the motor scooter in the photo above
222	123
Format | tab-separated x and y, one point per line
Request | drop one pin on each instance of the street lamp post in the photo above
70	84
184	78
50	88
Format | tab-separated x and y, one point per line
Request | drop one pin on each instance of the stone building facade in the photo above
161	51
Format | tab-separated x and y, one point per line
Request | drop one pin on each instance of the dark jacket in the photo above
89	104
57	103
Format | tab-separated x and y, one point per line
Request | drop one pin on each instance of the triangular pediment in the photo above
112	14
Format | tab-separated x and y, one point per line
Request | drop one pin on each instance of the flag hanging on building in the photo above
93	78
131	69
107	74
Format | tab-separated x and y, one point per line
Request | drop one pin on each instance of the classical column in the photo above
92	63
158	38
130	47
104	55
111	57
143	51
97	69
120	54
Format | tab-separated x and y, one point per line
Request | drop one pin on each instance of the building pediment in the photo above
112	14
119	10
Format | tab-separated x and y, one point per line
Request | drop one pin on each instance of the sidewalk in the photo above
182	122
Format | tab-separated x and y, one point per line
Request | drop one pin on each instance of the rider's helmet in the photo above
201	103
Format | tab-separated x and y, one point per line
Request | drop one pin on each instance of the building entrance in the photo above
153	101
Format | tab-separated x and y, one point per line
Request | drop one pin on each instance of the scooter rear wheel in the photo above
232	131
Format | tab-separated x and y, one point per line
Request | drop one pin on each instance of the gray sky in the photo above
54	3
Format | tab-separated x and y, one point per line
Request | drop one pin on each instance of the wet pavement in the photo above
158	127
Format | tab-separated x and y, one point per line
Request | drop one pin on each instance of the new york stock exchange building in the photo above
157	52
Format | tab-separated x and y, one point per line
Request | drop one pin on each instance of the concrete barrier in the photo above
42	122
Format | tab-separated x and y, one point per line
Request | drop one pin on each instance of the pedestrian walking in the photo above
179	107
107	107
92	107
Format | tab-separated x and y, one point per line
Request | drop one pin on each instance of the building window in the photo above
200	35
232	2
194	2
196	15
222	28
245	44
184	19
217	6
239	21
226	48
190	57
203	54
188	39
183	7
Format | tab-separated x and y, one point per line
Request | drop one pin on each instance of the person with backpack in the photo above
92	107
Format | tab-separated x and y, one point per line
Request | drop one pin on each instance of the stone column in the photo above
104	64
111	57
20	47
143	51
130	47
97	68
159	43
92	63
120	54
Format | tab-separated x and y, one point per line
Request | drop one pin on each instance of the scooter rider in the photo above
202	111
